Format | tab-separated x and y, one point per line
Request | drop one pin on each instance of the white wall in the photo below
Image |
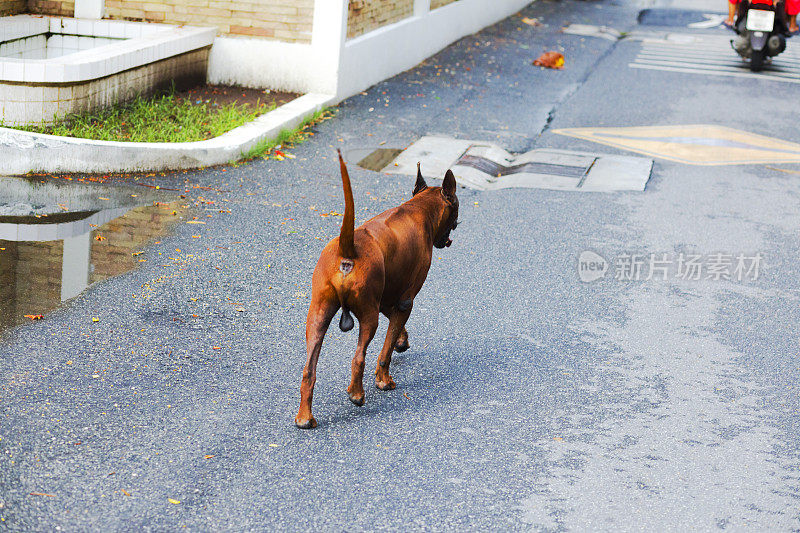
266	64
333	65
304	68
89	9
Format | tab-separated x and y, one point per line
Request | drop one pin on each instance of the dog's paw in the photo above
357	399
387	384
308	423
356	394
401	346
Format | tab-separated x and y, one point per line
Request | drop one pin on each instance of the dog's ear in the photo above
449	185
420	185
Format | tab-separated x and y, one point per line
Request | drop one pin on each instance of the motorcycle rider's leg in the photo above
732	5
792	9
781	16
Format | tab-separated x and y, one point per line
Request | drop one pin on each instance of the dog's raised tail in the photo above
347	248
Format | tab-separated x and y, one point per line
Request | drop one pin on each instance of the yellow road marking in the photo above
699	144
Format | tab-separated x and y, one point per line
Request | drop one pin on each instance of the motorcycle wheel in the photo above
757	60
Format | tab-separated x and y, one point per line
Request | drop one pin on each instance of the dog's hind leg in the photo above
367	324
397	323
402	342
319	318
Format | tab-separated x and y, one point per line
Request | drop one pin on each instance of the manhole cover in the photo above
379	159
486	166
670	17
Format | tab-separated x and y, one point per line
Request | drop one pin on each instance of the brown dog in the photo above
378	268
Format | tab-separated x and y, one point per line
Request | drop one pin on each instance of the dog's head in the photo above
449	219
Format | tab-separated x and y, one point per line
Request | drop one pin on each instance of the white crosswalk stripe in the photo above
713	55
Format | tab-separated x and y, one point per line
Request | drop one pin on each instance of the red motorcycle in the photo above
762	29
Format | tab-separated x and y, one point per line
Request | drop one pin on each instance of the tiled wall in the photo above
366	15
440	3
43	47
64	8
134	44
283	20
28	103
12	7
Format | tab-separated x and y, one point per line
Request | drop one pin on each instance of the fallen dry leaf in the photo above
531	21
34	317
553	60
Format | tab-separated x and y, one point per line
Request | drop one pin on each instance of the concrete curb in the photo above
22	152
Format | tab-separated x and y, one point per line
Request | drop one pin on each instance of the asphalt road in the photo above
528	400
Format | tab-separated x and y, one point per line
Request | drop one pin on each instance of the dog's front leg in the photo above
367	324
319	318
397	323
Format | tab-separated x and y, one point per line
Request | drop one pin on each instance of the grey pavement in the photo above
527	401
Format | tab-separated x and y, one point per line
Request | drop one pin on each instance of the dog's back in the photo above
391	253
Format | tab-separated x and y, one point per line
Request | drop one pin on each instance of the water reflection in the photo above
58	238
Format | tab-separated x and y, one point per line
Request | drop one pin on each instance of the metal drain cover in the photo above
379	159
486	166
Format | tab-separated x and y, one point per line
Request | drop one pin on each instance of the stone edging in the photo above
22	152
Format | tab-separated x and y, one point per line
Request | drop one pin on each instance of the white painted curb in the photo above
22	152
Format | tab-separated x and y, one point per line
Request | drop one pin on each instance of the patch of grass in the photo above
271	148
162	118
